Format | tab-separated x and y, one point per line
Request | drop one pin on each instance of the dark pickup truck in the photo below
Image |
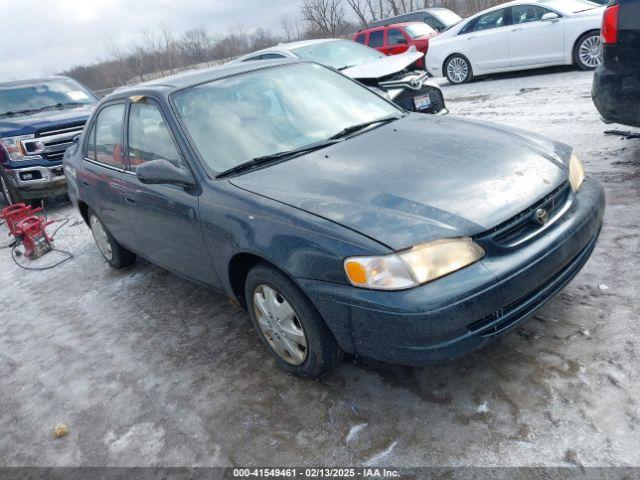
616	84
38	122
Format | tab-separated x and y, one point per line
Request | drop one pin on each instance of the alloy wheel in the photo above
101	238
457	70
280	325
590	51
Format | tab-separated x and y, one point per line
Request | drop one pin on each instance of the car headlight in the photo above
23	147
416	266
576	173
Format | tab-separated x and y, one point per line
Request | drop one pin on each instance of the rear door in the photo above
103	178
533	41
164	218
376	39
484	40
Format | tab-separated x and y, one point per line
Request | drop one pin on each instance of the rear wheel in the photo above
588	51
289	325
458	69
115	254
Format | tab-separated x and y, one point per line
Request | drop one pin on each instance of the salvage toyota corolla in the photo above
340	221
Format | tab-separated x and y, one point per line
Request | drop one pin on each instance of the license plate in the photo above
422	102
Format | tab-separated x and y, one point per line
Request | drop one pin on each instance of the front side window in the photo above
149	136
376	39
237	119
527	13
107	135
396	37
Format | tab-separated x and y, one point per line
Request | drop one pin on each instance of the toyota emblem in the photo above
541	216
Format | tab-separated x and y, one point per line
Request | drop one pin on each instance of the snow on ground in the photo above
147	369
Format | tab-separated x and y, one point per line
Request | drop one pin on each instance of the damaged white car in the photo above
395	76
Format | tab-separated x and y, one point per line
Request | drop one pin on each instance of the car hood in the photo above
384	66
418	179
28	124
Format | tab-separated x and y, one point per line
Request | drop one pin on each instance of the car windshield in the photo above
339	54
447	17
570	6
41	95
419	30
264	112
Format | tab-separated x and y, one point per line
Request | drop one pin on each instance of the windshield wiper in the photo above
13	113
361	126
345	67
275	158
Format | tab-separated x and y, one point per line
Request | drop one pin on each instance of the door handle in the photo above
516	29
130	200
470	38
86	184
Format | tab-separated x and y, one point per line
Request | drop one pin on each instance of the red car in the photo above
397	38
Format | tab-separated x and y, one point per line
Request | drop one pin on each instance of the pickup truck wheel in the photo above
9	194
115	254
289	325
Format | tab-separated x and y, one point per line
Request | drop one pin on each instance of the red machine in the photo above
28	228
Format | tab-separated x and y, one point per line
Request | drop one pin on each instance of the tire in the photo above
587	53
10	195
115	254
458	69
314	350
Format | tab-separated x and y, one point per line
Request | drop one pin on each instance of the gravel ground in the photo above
148	369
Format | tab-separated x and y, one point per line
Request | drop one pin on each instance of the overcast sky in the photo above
38	36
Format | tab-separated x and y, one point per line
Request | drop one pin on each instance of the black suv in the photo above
616	85
38	122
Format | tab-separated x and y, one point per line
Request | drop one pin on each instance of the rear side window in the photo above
485	22
149	136
105	144
396	37
360	38
270	56
376	39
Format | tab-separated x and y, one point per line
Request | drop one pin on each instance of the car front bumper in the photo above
616	95
38	181
464	311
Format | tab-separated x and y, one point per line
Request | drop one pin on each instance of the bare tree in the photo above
326	16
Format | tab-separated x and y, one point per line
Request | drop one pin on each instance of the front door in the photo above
533	41
397	42
164	218
485	41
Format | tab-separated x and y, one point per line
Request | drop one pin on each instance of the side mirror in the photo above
547	17
76	139
163	172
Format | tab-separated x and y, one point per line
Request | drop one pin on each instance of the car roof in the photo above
196	77
288	47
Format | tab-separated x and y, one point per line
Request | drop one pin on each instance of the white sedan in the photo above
518	36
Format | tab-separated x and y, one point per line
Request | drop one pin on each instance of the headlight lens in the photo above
23	147
416	266
576	172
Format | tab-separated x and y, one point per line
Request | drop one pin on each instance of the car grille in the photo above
58	139
405	99
523	226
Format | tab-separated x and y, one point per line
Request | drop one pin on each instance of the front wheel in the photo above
289	325
9	194
458	69
115	254
588	51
